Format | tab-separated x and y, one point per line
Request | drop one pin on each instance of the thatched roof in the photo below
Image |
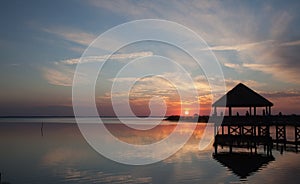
242	96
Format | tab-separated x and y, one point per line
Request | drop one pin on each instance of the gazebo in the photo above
242	96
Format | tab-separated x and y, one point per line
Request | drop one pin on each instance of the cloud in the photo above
285	101
217	22
280	62
144	88
70	34
280	24
291	43
230	83
58	76
148	87
232	65
62	72
117	57
239	47
83	39
273	58
232	27
282	94
214	22
248	39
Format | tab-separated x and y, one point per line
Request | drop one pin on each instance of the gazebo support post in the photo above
230	111
254	111
215	111
250	111
270	110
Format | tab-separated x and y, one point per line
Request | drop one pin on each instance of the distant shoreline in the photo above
171	117
82	116
288	119
293	120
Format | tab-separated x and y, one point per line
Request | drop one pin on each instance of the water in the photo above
60	154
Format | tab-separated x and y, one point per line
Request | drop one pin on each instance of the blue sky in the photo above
256	42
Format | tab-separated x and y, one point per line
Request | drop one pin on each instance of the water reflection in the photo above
90	176
144	137
243	164
61	155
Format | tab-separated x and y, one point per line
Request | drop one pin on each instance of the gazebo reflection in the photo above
243	164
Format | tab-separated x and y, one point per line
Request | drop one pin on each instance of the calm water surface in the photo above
60	154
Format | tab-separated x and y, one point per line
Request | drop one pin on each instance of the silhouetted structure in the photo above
242	96
243	164
42	127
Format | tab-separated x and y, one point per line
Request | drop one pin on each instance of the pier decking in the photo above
251	132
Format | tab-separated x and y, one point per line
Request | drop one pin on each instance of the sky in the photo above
255	42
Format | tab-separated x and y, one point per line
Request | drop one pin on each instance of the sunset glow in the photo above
140	91
38	61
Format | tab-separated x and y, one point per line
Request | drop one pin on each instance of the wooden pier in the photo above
252	132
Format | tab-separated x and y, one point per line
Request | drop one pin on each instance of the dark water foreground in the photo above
59	154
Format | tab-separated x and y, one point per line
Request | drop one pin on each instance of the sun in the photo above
186	112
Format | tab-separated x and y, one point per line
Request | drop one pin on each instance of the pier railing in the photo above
251	132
